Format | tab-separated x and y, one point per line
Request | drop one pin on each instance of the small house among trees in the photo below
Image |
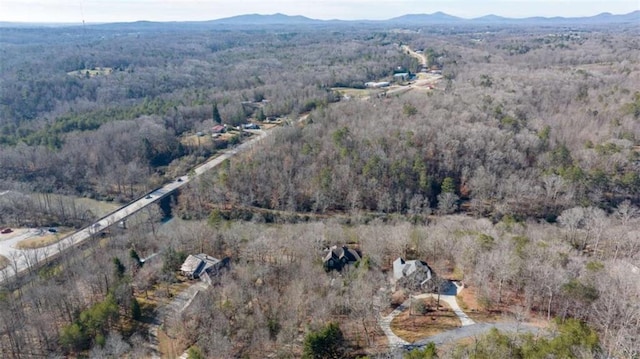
338	257
413	274
203	266
219	129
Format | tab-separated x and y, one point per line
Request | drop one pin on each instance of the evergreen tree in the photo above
136	311
327	343
118	269
136	258
216	114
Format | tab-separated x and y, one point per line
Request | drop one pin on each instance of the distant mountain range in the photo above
275	19
435	18
440	17
410	19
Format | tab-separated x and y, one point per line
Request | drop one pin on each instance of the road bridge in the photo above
23	260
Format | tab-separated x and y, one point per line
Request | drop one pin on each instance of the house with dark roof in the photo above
203	266
413	274
338	257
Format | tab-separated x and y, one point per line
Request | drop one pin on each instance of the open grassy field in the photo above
357	93
195	140
97	71
39	241
99	208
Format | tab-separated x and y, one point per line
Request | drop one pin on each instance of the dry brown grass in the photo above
412	326
4	262
356	93
364	342
268	126
169	347
484	316
397	298
195	141
99	208
468	302
43	240
161	294
158	296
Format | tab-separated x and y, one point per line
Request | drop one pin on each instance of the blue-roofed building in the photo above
402	76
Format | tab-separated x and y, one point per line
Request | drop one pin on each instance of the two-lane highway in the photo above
21	260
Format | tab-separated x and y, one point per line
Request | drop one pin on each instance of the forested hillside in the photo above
69	125
514	173
523	125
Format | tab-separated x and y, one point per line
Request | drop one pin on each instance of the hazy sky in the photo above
75	11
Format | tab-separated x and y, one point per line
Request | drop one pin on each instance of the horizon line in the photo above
312	18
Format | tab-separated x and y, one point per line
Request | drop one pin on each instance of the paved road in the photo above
22	260
476	329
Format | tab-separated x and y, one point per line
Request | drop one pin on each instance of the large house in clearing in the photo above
413	274
203	266
338	257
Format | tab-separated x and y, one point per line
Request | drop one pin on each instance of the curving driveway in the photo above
469	328
449	297
476	329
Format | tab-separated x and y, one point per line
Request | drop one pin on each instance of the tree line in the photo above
168	83
512	138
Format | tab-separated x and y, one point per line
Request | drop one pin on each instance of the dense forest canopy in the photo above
526	133
516	172
169	80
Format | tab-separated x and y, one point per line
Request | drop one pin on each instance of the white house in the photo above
203	266
414	274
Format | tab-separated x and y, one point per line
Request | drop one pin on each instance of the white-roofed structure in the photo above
412	274
203	266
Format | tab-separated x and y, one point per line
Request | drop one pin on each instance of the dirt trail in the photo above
175	307
421	58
